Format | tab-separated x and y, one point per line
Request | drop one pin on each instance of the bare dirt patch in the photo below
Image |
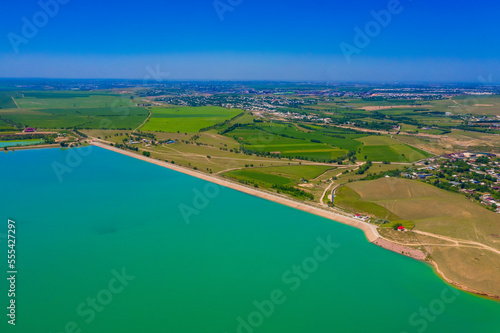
389	107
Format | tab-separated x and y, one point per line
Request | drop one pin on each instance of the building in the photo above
29	130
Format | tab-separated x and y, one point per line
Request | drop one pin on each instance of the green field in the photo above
348	198
383	148
4	126
92	118
282	175
258	140
431	208
258	177
69	99
6	101
337	137
67	109
187	119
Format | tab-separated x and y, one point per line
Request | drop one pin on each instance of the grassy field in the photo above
479	105
384	148
6	100
258	177
336	137
282	175
376	168
258	140
187	119
66	109
4	126
351	200
434	210
91	118
439	212
69	99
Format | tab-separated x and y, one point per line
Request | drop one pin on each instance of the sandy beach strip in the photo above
369	230
404	250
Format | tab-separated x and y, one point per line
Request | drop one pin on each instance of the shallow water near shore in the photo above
103	244
20	143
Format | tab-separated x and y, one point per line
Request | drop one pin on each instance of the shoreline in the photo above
460	286
369	230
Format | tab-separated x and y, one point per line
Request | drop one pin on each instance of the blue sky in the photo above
276	40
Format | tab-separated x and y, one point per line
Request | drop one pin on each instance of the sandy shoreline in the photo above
461	286
401	249
369	230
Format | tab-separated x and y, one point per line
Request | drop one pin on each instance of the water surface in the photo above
20	143
84	217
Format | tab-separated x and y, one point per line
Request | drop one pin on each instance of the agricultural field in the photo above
4	126
258	140
7	101
337	137
69	99
208	159
92	118
187	119
477	105
376	168
384	148
66	109
282	175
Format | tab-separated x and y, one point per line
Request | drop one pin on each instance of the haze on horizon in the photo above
317	40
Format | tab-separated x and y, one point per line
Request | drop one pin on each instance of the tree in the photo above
146	153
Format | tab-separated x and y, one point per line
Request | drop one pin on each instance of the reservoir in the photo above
108	243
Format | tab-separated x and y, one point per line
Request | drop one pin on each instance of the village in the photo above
476	175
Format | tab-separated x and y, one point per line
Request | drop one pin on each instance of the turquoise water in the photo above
20	143
111	212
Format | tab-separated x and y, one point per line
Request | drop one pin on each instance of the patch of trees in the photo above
221	124
293	191
83	135
364	167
